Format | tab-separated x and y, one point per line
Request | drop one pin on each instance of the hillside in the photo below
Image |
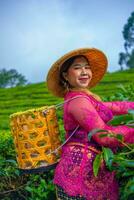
37	95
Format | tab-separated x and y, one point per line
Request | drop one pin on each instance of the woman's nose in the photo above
83	70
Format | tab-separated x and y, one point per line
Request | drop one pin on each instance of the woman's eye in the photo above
88	67
76	67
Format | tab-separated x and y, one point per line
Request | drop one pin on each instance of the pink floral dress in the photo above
74	173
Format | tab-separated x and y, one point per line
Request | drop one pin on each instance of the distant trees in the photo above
11	78
127	58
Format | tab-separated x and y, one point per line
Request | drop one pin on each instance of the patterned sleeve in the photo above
119	107
84	113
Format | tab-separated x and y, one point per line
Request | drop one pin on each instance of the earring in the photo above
66	85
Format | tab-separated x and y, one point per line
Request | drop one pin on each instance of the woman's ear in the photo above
65	75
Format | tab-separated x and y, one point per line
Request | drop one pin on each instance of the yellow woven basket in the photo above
36	136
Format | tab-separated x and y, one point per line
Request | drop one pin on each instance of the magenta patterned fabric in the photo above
74	173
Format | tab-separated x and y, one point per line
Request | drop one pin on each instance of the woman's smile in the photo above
83	78
83	81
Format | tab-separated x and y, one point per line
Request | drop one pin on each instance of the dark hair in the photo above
65	66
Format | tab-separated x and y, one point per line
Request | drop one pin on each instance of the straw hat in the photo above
98	63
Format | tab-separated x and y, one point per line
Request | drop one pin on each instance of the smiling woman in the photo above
71	77
78	74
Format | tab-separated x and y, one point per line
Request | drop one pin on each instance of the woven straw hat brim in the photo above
98	63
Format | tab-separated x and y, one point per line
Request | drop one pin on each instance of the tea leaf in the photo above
121	119
108	156
97	164
119	137
129	188
103	135
128	173
94	131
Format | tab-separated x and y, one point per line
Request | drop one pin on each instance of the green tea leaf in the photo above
121	87
97	164
94	131
103	135
119	137
129	188
125	162
121	119
108	156
131	111
128	173
11	161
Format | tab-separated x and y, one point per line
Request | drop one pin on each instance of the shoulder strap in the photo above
56	150
58	106
66	101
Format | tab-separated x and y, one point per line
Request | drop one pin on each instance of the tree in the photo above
128	33
122	60
130	62
127	58
11	78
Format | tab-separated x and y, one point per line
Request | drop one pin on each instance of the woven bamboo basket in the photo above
36	136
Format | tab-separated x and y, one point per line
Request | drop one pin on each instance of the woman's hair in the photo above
65	66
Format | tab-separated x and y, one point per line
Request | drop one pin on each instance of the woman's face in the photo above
79	73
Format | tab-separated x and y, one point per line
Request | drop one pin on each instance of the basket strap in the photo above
68	100
57	107
56	150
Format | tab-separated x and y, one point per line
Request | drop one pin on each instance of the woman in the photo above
71	77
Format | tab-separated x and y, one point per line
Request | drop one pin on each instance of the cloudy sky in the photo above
34	33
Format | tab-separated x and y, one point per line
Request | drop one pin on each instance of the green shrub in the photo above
40	186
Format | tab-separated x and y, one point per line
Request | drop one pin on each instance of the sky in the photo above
35	33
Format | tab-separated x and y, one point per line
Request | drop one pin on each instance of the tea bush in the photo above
15	186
